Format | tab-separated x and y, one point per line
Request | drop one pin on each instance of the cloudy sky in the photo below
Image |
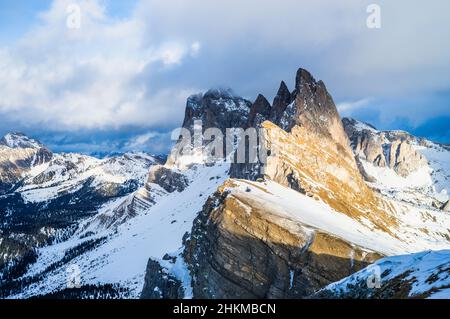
119	82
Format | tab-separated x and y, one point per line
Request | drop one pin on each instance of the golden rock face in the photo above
240	249
323	168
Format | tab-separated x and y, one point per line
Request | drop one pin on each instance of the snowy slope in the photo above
420	229
123	257
425	274
424	186
157	230
67	173
432	180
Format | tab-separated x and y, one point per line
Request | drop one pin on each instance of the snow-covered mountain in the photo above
18	155
68	173
400	165
45	194
421	275
332	198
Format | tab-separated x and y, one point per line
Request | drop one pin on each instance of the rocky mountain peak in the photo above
391	149
18	155
315	108
283	91
303	77
259	111
350	122
280	102
220	108
19	140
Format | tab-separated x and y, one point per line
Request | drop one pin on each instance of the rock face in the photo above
18	155
237	251
384	149
316	112
310	152
169	180
446	207
160	285
219	108
309	106
280	103
259	111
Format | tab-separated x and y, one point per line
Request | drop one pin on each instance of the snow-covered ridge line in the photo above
19	140
41	175
292	207
419	173
422	274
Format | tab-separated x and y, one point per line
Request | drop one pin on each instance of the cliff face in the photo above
220	108
385	149
241	250
309	151
217	108
18	155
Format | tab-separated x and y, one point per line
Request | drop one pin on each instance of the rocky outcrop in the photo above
280	103
160	285
446	206
316	112
366	144
259	111
421	275
219	108
392	149
404	159
238	251
310	152
18	154
168	179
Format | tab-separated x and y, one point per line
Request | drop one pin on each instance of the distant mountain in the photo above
400	165
44	194
332	198
18	155
19	140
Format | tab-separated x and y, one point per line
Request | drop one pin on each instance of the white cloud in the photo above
88	77
351	106
139	70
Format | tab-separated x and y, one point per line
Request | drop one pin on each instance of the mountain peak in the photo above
19	140
359	125
283	90
259	111
303	77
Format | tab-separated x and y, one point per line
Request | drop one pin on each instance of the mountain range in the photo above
337	205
